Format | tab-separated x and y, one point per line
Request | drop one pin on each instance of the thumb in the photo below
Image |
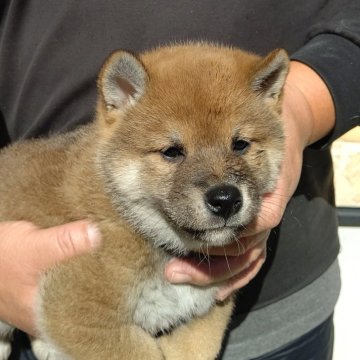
58	243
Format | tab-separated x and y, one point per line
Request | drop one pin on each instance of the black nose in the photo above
223	200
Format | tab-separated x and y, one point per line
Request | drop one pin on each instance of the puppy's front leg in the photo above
5	340
125	343
201	338
84	316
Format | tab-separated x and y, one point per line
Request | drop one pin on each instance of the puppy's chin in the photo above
200	239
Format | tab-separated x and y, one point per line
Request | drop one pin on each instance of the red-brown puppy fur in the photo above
178	130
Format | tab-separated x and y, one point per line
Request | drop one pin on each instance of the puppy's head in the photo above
190	140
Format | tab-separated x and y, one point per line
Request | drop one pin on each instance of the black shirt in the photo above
51	51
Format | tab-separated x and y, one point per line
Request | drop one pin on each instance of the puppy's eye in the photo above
172	153
240	146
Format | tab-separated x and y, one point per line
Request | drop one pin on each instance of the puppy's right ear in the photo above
122	81
270	75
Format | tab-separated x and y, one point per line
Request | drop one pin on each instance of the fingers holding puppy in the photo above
234	265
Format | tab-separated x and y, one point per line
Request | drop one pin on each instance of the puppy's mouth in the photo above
196	240
215	236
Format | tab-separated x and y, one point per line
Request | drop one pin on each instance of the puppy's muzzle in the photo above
223	200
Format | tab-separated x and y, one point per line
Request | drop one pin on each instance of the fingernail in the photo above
179	278
94	235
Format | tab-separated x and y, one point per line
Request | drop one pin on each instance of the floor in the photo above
347	312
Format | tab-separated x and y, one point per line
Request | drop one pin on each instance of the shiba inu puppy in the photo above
186	140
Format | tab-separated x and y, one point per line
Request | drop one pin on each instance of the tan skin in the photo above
26	251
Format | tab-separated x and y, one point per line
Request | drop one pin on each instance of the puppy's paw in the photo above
44	351
5	343
5	349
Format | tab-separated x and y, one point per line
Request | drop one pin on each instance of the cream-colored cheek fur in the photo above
141	213
148	220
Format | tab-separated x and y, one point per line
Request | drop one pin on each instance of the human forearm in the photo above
309	99
336	61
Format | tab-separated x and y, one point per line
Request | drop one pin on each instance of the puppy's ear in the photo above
122	81
269	77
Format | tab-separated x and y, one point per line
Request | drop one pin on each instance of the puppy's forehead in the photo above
199	92
196	68
195	129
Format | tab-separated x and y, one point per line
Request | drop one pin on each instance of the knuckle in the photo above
66	242
202	279
274	219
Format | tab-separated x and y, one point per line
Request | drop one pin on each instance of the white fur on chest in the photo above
162	305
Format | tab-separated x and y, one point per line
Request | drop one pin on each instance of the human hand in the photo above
306	119
26	252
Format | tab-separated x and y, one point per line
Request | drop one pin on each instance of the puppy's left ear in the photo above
122	81
269	77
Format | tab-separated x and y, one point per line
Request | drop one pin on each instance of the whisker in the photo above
202	256
227	262
208	257
240	246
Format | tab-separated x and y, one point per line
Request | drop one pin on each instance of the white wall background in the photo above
347	312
